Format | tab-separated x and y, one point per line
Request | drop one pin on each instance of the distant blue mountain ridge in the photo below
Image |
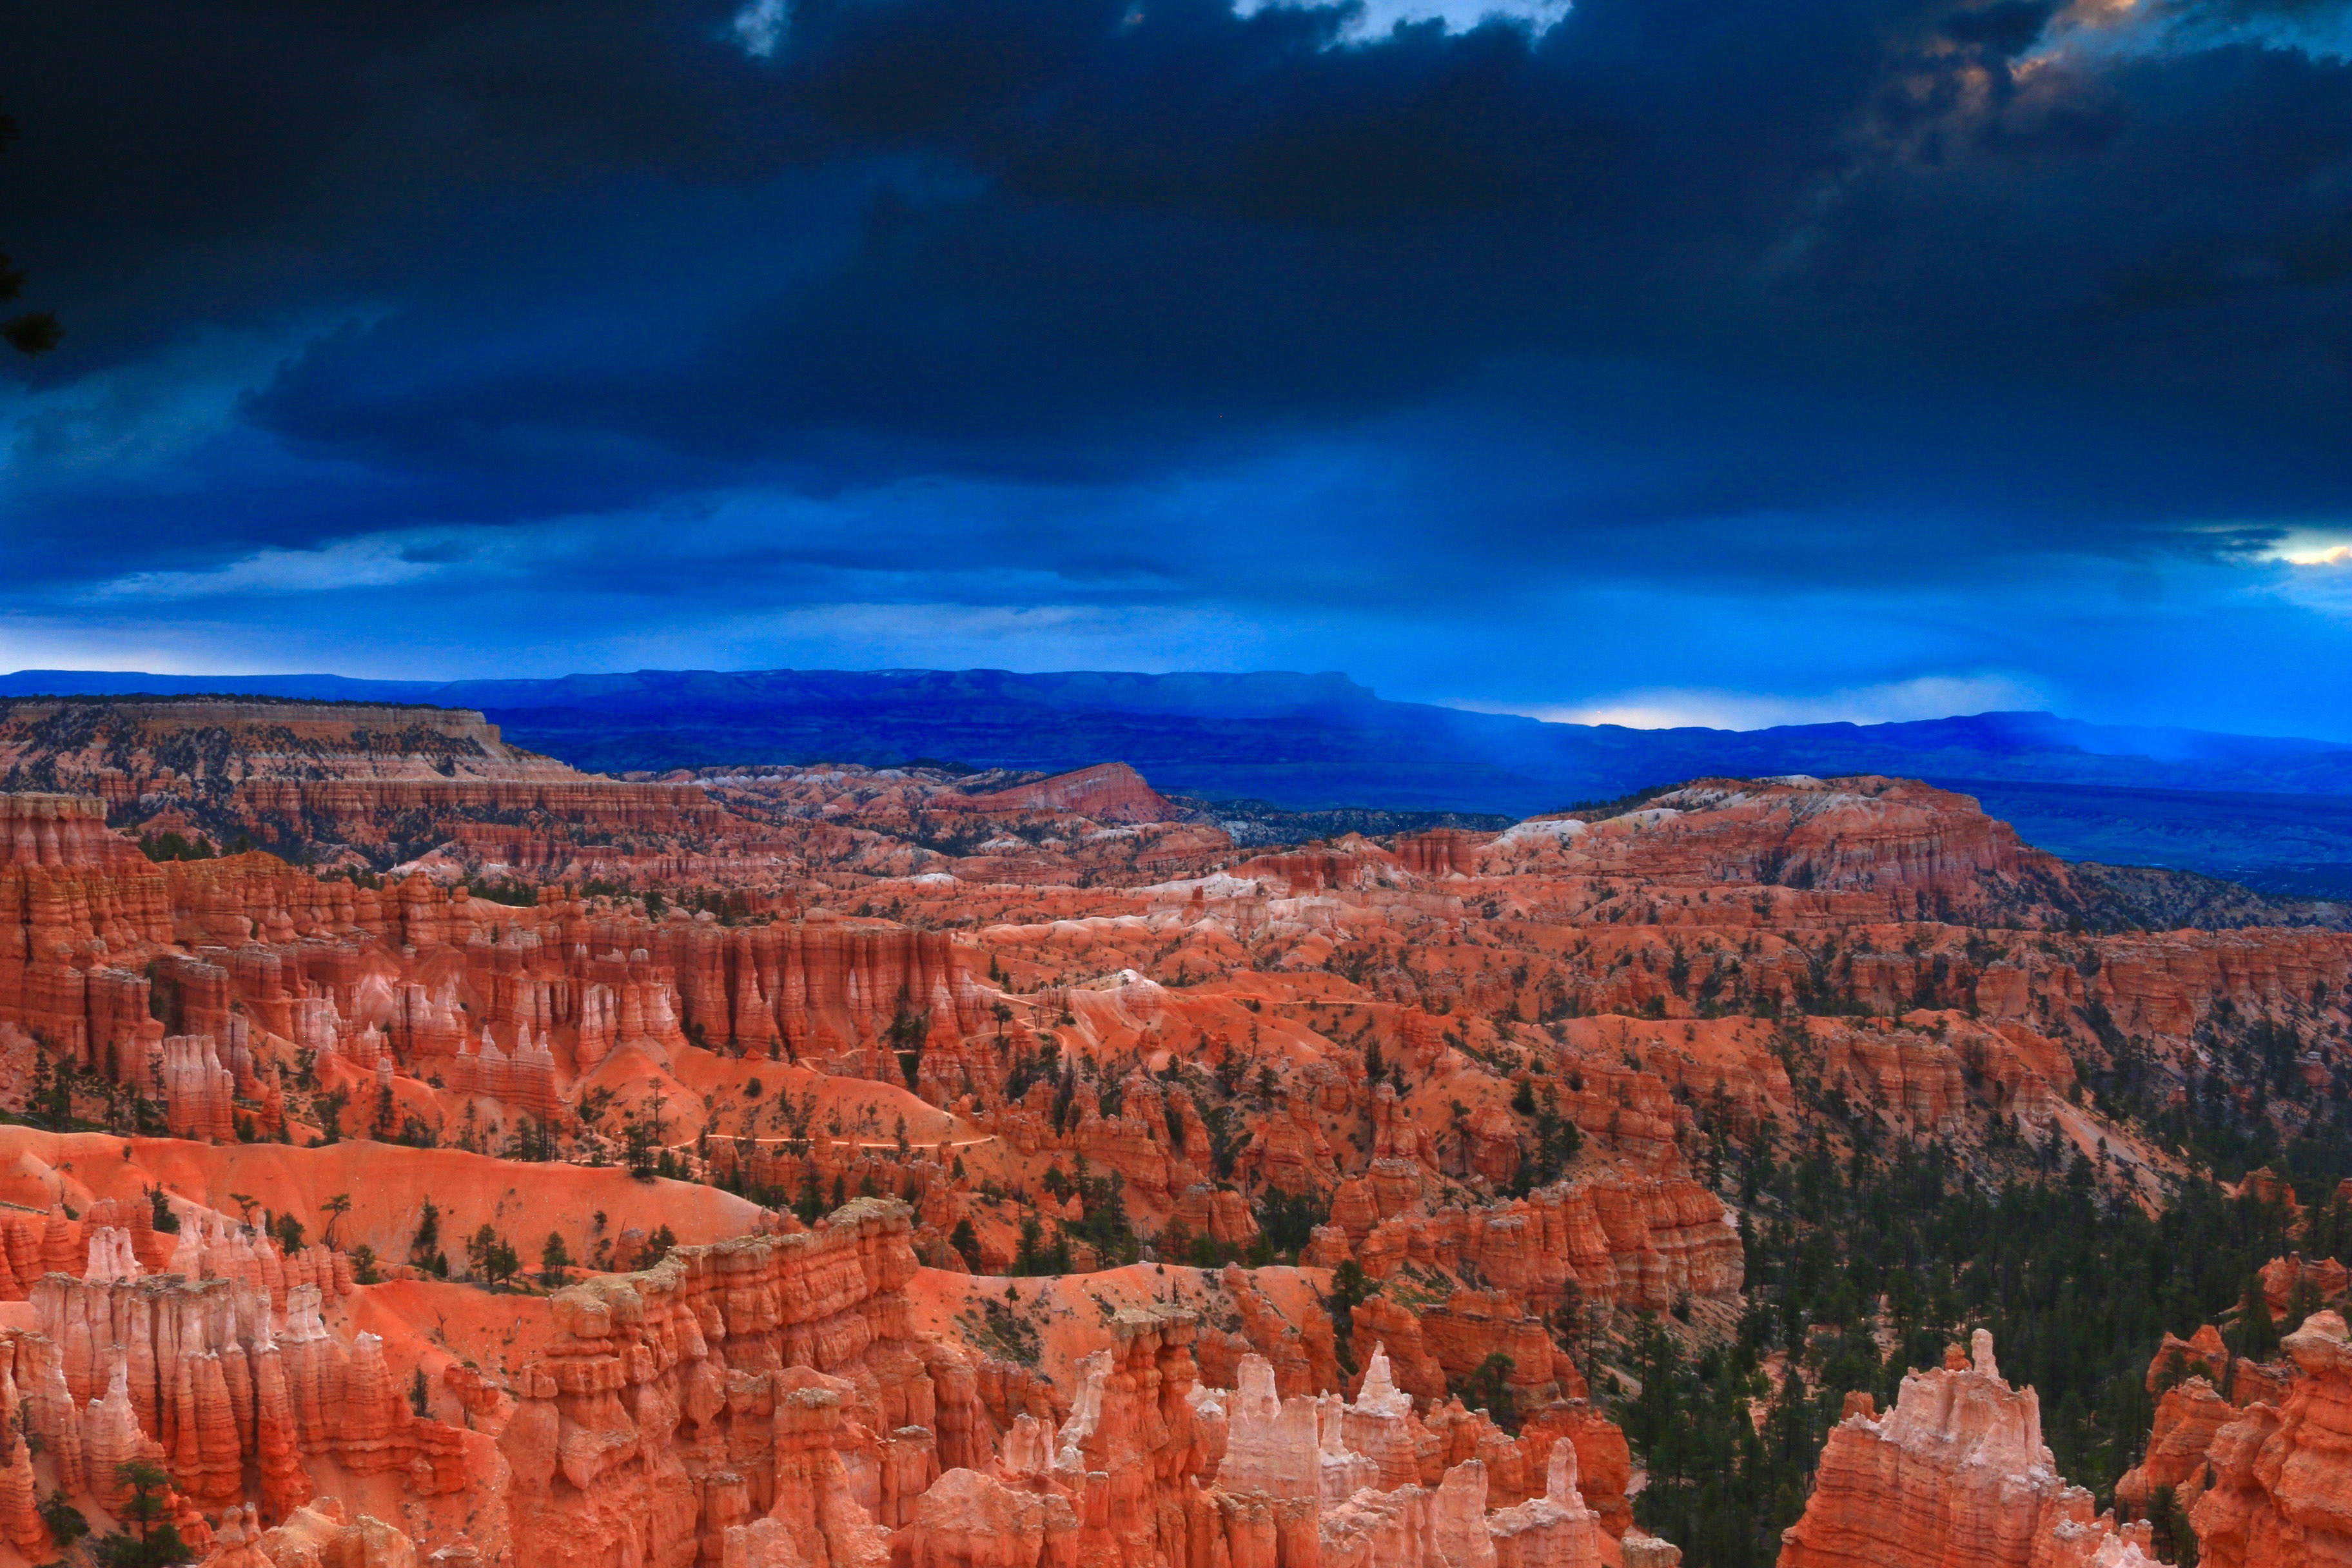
2274	812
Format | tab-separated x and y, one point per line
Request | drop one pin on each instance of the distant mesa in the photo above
267	728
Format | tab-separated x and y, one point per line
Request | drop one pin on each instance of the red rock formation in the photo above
2203	1354
1553	1531
1154	1469
1442	852
71	894
1894	838
1604	1464
319	1535
1640	1244
1108	792
206	1375
2283	1489
342	763
21	1525
1303	1357
498	1004
784	1362
1469	1326
196	1090
1395	1329
826	989
972	1521
2324	1278
1204	1040
1955	1475
1225	1217
2188	1414
62	830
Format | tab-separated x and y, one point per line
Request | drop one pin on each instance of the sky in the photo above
1737	362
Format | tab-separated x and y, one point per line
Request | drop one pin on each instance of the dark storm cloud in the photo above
1832	288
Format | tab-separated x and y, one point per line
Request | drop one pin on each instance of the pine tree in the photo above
554	1260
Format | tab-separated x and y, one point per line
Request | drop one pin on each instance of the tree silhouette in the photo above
1489	1389
145	1508
67	1523
966	1241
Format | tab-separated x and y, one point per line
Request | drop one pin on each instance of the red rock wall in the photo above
1641	1244
772	1375
216	1379
2283	1474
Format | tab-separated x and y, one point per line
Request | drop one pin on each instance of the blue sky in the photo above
1727	361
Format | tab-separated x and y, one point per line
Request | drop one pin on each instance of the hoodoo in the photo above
1955	1475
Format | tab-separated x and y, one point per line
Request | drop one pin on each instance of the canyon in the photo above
821	1165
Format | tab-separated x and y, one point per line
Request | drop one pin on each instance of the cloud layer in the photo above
1819	353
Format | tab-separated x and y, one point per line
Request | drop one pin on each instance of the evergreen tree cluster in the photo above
2077	1284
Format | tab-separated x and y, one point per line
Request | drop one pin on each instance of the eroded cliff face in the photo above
246	998
771	1377
761	1400
1910	845
1955	1475
2282	1487
1642	1243
2199	1387
352	778
1639	952
211	986
366	787
1110	792
226	1377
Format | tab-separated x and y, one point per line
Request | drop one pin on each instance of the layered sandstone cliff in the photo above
771	1378
1641	1243
767	1398
199	985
